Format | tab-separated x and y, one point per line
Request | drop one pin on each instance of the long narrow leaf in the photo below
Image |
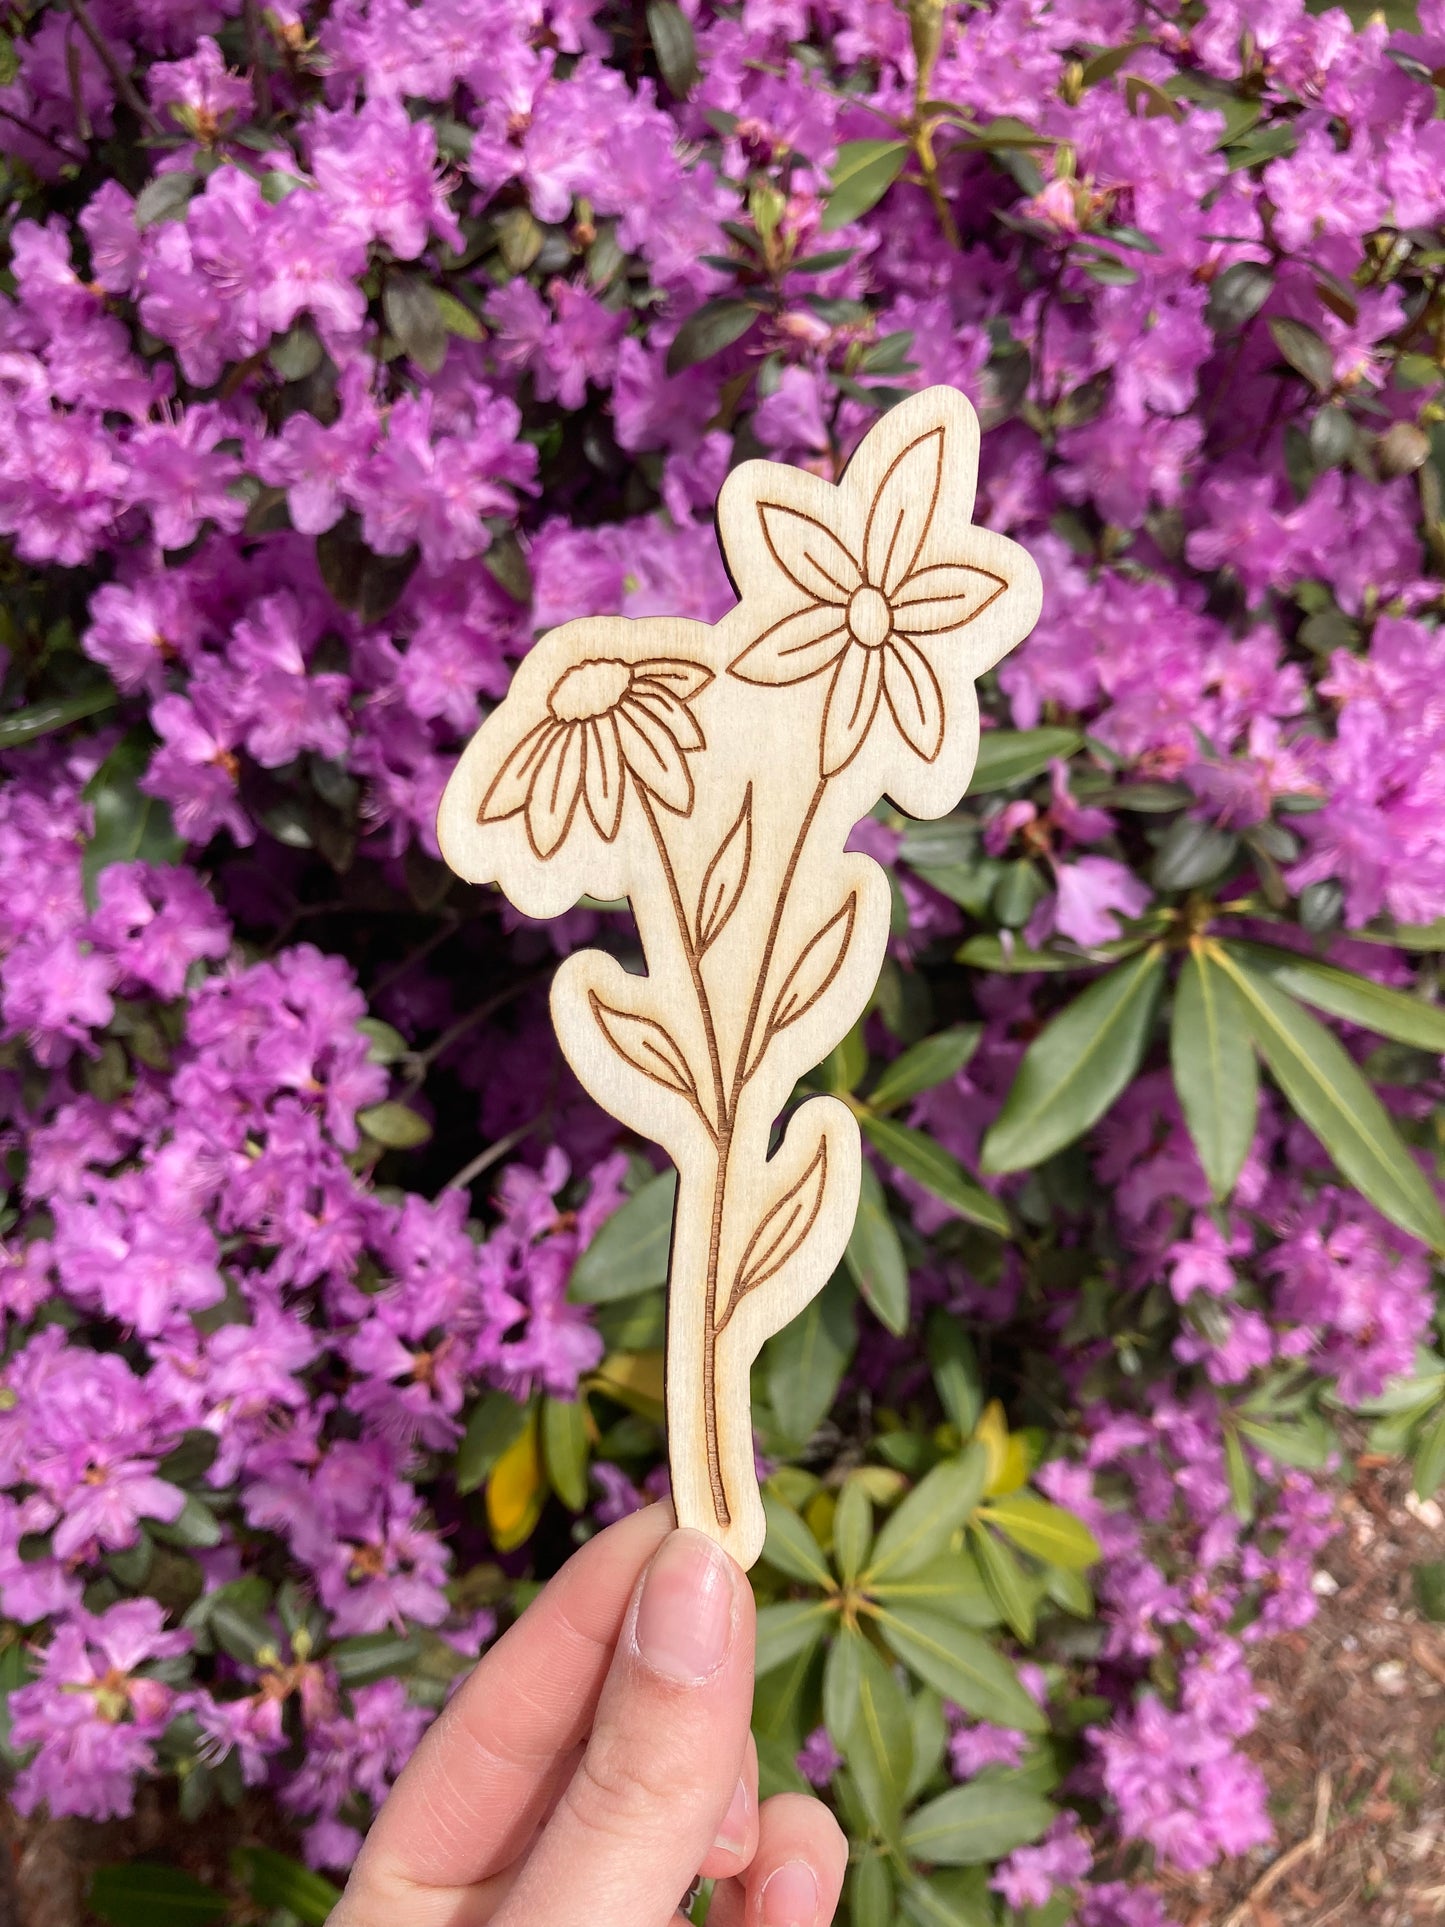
1390	1013
1215	1073
1325	1086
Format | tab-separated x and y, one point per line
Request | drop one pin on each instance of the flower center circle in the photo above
869	616
590	689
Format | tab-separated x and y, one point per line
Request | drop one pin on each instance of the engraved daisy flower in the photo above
862	615
606	720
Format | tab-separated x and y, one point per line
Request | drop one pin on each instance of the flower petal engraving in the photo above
902	512
682	679
508	792
933	601
603	779
655	757
803	644
809	554
556	786
913	696
852	702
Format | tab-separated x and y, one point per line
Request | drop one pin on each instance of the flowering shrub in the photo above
344	350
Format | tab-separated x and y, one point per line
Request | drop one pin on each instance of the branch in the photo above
106	55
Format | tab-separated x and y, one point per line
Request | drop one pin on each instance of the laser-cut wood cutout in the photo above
712	774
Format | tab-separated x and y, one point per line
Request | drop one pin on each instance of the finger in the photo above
796	1875
665	1757
483	1777
737	1836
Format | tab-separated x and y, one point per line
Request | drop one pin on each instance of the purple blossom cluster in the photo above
344	350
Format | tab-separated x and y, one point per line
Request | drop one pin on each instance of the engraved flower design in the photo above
862	615
606	720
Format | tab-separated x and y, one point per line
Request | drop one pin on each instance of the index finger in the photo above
481	1780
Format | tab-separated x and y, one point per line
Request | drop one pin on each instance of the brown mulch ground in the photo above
1353	1747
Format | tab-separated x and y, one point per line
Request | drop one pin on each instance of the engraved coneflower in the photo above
607	721
862	615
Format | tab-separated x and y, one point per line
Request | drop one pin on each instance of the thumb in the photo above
667	1750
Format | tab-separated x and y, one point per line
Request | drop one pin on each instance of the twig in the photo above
1302	1850
422	1060
484	1159
39	134
260	79
105	53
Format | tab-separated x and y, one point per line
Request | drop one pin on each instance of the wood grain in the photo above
711	775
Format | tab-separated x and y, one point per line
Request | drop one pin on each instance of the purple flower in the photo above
818	1759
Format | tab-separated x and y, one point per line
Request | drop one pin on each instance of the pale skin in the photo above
597	1759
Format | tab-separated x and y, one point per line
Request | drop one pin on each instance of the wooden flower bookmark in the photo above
712	775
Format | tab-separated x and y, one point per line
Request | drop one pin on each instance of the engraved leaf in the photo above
643	1043
782	1231
726	877
817	966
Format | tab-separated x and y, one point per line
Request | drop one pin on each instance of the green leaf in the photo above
925	1064
1077	1066
1328	1091
950	1584
877	1729
708	330
413	314
565	1449
373	1656
192	1457
358	578
930	1740
1005	1580
787	1629
395	1125
970	1825
1215	1074
1047	1531
805	1362
495	1422
852	1530
1238	294
164	198
1429	1588
140	1894
960	1664
458	318
946	1899
874	1258
40	719
940	1174
1240	1473
790	1547
1430	1459
870	1893
670	32
862	174
1308	1445
954	1364
129	826
194	1525
630	1252
842	1069
927	1518
1305	351
1376	1007
276	1880
1010	756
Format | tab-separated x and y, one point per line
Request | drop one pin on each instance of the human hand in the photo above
599	1758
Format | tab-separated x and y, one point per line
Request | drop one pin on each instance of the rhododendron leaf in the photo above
790	1547
863	172
1238	294
194	1525
276	1880
804	1363
1077	1066
395	1125
1430	1459
931	1061
1378	1007
954	1364
1215	1075
1307	1444
634	1379
413	314
141	1894
867	1715
1010	756
961	1664
708	330
1428	1584
628	1253
950	1584
982	1821
565	1448
1304	349
129	825
670	31
875	1257
1327	1089
927	1519
950	1897
786	1629
368	584
58	712
870	1893
940	1174
1006	1580
165	198
1240	1474
1047	1531
373	1656
517	1489
496	1421
852	1529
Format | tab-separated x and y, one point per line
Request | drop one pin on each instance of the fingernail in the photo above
790	1896
732	1835
685	1615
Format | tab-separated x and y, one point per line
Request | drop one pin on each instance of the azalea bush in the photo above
346	349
